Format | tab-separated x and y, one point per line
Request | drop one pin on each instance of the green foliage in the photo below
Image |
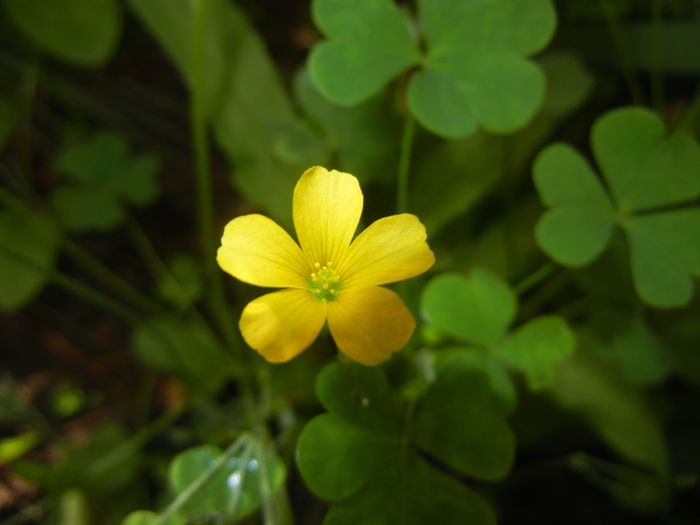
458	421
104	176
647	171
369	44
474	53
235	489
356	455
120	382
107	462
183	284
28	250
483	160
187	350
615	410
364	138
479	309
81	32
254	121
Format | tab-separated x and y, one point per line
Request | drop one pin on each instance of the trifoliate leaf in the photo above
369	468
105	174
645	167
359	394
500	383
337	457
459	422
642	356
475	52
475	309
86	208
646	170
368	44
579	225
24	236
665	253
82	32
536	347
411	492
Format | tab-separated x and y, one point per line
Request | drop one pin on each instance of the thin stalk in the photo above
404	164
243	472
149	254
657	85
74	286
110	279
205	208
89	263
616	35
535	278
28	86
197	484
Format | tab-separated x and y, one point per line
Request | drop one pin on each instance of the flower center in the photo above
324	282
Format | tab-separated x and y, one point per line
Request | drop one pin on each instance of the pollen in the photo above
324	282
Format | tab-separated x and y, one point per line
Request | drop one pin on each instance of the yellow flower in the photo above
330	277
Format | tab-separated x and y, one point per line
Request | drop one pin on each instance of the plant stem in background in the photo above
101	272
89	263
535	278
657	84
205	208
616	36
76	287
404	164
194	487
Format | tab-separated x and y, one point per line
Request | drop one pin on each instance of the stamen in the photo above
324	283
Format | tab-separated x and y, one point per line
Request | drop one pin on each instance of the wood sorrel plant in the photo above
537	363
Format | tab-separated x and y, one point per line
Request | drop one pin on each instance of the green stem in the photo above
27	94
74	286
535	278
197	484
159	270
657	86
205	208
88	262
405	164
616	35
101	272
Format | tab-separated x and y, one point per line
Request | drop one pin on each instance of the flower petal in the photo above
369	324
257	251
390	249
279	325
327	208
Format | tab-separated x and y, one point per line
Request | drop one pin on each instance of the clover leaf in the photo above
28	251
81	32
474	53
478	310
647	171
369	44
357	455
104	176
